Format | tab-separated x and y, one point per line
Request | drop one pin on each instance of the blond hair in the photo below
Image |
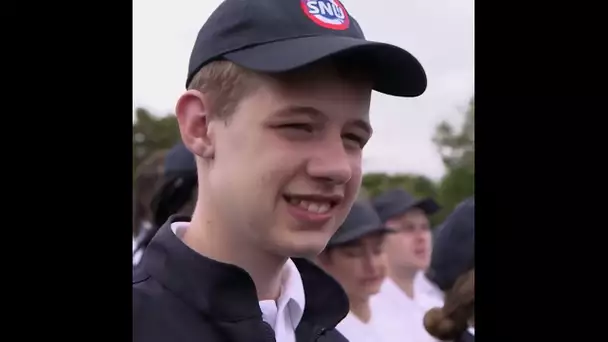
226	84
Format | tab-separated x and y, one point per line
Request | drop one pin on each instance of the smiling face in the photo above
285	168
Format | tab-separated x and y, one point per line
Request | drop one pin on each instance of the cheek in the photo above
382	264
383	270
393	243
344	272
400	246
354	184
357	172
428	243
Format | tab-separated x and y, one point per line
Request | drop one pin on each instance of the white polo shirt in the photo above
399	317
356	330
284	314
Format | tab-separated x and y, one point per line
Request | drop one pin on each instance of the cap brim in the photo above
428	205
394	71
358	233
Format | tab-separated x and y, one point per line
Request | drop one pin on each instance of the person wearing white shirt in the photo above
406	294
452	269
276	113
355	257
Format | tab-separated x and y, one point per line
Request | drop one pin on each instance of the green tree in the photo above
457	150
152	133
417	185
455	186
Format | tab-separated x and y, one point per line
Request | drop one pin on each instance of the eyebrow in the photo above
313	112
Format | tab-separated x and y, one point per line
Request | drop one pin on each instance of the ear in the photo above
192	111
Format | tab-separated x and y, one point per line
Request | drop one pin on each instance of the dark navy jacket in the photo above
466	337
182	296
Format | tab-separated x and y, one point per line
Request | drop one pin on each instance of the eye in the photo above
356	139
353	252
377	249
298	126
408	228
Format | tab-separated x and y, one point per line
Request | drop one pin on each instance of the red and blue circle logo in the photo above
330	14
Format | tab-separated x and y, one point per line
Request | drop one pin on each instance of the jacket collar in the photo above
226	292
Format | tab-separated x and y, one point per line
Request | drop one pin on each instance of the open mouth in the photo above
313	203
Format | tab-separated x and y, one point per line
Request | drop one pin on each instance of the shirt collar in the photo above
292	293
292	290
227	292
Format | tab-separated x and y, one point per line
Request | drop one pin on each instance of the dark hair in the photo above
148	177
450	321
173	195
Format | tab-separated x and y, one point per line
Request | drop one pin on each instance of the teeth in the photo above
314	207
324	208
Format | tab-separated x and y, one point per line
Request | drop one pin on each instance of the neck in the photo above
404	278
207	236
360	308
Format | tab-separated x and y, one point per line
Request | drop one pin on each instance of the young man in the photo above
355	257
276	114
406	294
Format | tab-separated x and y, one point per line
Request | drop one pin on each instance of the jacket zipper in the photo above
318	334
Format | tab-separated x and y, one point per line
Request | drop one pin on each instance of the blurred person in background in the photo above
406	294
148	178
173	193
453	271
277	120
355	257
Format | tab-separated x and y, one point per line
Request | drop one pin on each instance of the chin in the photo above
424	265
303	253
372	290
302	247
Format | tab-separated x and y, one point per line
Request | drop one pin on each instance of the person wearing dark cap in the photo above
148	177
276	113
355	257
176	194
453	271
407	293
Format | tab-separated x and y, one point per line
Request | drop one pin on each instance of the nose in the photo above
420	233
372	262
331	163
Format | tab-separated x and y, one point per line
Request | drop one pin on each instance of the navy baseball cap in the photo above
361	221
396	202
273	36
454	246
179	161
180	180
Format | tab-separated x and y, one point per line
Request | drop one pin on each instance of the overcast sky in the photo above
440	33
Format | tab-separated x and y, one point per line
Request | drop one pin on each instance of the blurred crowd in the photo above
405	280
